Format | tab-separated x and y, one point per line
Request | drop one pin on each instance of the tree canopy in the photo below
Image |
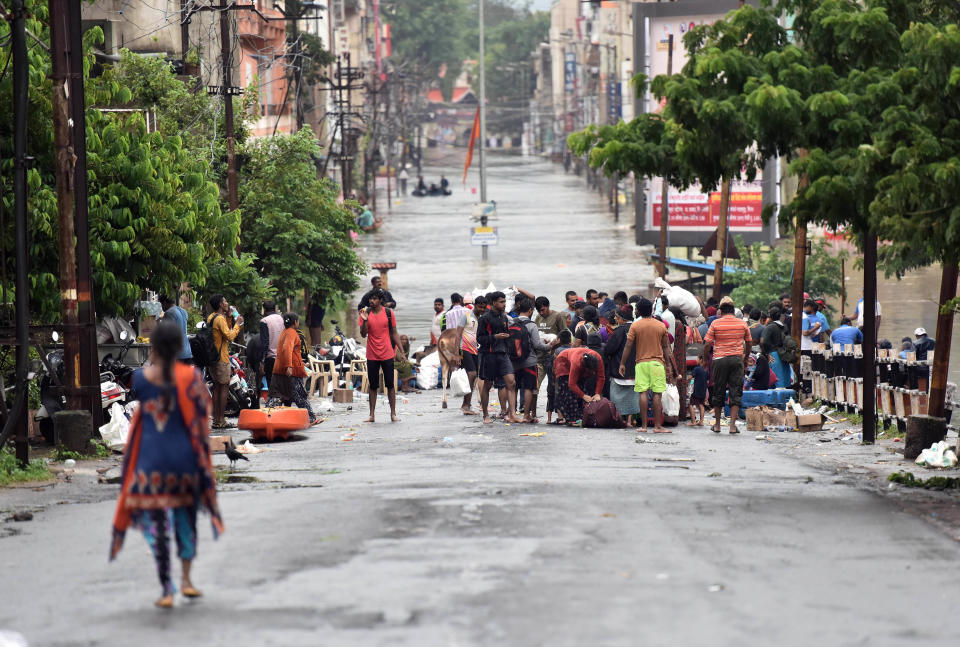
291	220
154	215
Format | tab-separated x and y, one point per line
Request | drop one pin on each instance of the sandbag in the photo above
681	298
602	414
459	383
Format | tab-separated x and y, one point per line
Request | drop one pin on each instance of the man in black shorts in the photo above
525	368
492	335
379	326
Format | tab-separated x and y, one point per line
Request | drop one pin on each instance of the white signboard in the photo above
480	236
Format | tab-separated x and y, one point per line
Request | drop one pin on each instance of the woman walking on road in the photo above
288	371
167	473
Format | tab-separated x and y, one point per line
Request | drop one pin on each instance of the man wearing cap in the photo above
729	340
922	344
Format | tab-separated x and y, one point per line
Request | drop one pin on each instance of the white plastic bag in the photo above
671	401
938	455
459	383
115	432
427	376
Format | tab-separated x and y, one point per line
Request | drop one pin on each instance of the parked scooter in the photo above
112	388
343	350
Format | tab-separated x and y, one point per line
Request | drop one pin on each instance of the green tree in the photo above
427	39
291	220
238	279
512	33
154	218
769	273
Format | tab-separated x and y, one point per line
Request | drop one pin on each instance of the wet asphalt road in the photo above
442	531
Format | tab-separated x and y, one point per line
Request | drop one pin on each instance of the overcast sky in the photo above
541	5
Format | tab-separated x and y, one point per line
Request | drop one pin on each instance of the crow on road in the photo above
231	451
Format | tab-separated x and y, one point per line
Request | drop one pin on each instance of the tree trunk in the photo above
941	355
799	279
721	239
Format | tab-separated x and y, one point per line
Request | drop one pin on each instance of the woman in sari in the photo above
167	473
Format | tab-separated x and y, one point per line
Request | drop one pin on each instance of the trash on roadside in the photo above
939	455
114	432
763	437
535	434
326	404
448	439
715	588
249	448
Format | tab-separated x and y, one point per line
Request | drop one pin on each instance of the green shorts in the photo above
650	376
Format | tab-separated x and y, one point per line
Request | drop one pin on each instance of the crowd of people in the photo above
631	349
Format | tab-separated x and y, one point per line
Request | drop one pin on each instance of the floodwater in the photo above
556	235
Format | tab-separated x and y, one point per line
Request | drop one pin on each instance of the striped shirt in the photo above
469	343
728	334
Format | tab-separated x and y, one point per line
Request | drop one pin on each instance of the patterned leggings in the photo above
156	525
299	398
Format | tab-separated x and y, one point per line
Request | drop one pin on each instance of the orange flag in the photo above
474	136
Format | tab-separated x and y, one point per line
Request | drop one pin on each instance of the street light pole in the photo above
483	116
483	121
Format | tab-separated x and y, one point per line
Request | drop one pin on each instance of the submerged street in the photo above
440	530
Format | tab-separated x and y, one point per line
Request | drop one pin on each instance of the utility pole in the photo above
373	145
18	419
292	13
483	121
342	86
63	146
721	238
227	90
799	274
869	337
665	195
184	32
86	312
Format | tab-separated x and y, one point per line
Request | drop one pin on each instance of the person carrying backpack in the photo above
525	346
216	338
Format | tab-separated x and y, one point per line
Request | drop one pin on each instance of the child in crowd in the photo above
698	398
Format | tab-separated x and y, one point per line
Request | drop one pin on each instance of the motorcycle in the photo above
115	383
240	395
342	350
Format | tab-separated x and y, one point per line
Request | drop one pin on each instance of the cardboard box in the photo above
343	395
773	417
754	419
805	421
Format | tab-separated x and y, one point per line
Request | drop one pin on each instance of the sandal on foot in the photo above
166	602
190	592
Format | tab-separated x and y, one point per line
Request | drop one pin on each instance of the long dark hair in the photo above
167	341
